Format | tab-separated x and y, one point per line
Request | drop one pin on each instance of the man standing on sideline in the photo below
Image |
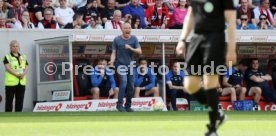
207	48
16	66
123	49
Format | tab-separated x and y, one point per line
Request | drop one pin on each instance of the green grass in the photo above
133	124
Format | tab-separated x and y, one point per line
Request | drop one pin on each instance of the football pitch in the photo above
134	124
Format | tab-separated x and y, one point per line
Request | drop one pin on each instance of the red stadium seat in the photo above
224	98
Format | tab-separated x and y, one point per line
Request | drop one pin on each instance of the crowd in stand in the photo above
110	14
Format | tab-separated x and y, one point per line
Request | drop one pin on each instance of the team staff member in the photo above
232	82
207	18
174	81
257	79
123	49
103	82
144	80
16	66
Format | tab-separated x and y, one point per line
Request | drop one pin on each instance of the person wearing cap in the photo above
16	66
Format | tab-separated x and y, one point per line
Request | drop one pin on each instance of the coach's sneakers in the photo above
128	109
221	119
211	131
120	108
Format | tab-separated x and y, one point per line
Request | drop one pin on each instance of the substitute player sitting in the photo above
144	80
174	81
103	82
232	82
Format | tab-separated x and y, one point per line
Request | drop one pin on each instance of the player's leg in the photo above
229	91
257	93
95	91
192	85
210	83
153	91
116	92
241	91
173	98
136	92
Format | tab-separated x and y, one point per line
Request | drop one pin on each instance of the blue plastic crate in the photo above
245	105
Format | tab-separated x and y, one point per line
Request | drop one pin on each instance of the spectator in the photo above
147	3
245	25
273	6
94	24
3	9
264	24
107	13
76	4
233	80
179	14
103	82
102	4
264	9
123	49
175	86
48	22
135	9
10	3
245	9
89	10
56	4
256	3
256	78
121	3
3	22
64	14
116	21
39	10
26	23
135	22
33	4
16	12
16	66
158	15
171	4
77	22
144	80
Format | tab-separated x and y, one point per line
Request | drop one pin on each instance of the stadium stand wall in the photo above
27	37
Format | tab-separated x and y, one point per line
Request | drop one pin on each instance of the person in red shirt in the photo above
158	15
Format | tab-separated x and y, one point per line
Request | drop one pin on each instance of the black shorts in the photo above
143	93
206	49
104	90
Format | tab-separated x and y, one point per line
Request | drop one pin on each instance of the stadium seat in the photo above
224	98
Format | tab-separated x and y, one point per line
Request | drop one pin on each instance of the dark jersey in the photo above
235	77
251	83
175	79
209	14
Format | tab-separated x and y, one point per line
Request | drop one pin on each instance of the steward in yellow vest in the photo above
16	66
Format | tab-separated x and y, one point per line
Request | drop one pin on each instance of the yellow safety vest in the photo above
10	79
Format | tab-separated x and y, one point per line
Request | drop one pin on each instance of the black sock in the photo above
200	96
213	101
